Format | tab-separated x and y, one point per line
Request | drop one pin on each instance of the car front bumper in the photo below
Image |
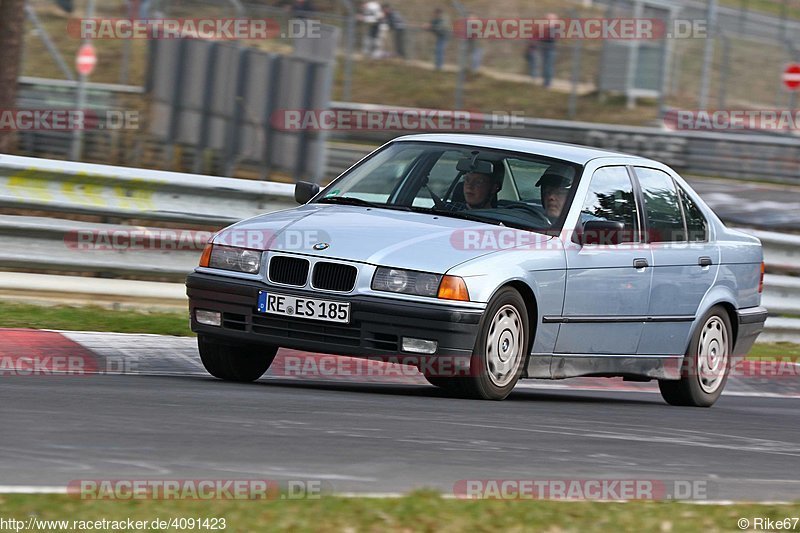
376	327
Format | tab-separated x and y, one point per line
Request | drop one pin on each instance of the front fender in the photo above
543	271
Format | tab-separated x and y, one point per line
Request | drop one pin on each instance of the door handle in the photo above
640	262
704	261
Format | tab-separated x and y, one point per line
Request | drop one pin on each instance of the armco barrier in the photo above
729	154
57	245
125	193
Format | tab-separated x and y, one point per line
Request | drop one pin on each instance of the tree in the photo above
12	31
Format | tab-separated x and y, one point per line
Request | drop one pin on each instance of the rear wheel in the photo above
235	362
500	350
706	363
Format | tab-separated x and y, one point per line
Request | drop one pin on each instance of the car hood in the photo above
403	239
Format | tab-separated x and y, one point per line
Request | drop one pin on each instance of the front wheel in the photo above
501	349
230	362
706	363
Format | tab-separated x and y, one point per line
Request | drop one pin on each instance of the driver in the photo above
480	190
554	191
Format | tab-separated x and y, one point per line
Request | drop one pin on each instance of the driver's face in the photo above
553	199
478	190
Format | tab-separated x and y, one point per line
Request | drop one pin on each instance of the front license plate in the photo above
311	308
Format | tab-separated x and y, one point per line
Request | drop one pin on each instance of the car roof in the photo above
573	153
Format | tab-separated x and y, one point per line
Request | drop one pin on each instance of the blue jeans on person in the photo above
530	56
441	43
144	9
548	62
475	57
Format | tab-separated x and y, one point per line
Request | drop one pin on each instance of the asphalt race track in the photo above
373	437
765	206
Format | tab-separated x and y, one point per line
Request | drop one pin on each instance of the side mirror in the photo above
601	232
305	191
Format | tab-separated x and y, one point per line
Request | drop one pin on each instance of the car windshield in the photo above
526	191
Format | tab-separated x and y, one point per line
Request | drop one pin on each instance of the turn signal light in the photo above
761	281
453	288
206	257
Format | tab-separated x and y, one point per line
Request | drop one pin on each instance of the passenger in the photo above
554	190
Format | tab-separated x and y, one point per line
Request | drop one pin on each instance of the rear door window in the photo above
662	206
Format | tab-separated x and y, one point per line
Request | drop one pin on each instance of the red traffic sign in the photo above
791	76
86	59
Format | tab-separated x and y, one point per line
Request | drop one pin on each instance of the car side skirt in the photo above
644	367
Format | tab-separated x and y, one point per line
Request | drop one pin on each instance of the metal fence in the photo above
738	65
219	99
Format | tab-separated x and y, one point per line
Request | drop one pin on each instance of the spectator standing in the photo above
371	16
397	25
474	48
548	46
531	50
440	27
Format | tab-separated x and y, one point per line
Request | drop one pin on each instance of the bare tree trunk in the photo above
12	31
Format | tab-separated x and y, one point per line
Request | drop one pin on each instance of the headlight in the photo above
406	281
236	259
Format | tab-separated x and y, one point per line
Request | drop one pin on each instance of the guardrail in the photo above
781	250
132	193
108	250
55	245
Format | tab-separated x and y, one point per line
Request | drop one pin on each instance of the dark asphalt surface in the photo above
386	438
757	205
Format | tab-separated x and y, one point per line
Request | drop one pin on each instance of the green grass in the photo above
770	7
420	511
776	351
19	315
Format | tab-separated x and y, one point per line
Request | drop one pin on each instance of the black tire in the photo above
242	363
450	384
704	372
488	378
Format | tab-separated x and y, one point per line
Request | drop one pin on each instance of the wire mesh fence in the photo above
751	41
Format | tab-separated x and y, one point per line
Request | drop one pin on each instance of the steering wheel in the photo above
538	215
